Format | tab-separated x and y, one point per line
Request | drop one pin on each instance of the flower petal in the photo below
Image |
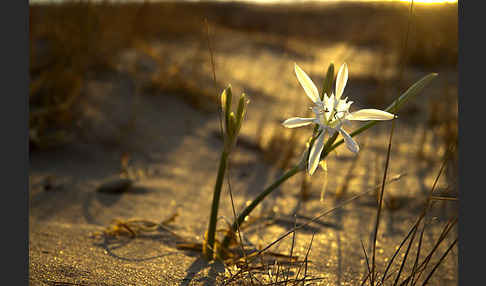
370	114
297	122
350	143
329	105
315	153
341	80
329	101
309	87
343	105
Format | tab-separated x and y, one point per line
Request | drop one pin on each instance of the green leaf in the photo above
393	108
411	92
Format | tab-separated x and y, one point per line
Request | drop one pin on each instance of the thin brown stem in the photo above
378	212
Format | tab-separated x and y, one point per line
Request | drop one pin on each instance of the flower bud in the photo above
327	87
226	97
240	113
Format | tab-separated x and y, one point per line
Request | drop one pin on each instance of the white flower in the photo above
331	112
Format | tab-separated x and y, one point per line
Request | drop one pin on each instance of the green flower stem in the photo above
241	218
327	148
209	246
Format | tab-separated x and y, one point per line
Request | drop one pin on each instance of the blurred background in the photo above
92	61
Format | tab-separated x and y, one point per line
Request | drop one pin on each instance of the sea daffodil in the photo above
331	113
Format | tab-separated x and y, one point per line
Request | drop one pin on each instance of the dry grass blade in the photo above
306	258
286	257
447	228
437	198
398	250
366	278
135	227
422	215
215	82
305	262
419	247
367	263
190	246
313	220
211	54
444	163
291	248
420	269
378	212
405	42
238	227
439	262
402	265
294	280
324	213
257	255
425	262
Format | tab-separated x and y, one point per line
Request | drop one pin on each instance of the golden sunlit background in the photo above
131	87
